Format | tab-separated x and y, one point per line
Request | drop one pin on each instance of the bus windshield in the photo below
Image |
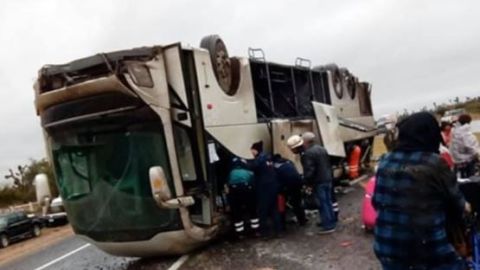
103	177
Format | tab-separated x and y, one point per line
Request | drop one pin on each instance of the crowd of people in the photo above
258	189
420	208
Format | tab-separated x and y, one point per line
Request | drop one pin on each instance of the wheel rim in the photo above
36	231
337	84
223	66
4	241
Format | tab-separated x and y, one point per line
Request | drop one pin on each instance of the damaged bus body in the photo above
141	139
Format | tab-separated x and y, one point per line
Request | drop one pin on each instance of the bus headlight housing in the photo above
161	192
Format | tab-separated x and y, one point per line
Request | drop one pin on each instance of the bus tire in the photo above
226	69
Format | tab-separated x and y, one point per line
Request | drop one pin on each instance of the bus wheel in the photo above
226	69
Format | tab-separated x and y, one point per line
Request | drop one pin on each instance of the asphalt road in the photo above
300	248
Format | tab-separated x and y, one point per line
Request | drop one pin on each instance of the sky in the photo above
414	52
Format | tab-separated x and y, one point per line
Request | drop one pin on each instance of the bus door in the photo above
189	132
329	128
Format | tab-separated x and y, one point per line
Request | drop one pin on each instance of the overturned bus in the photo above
141	140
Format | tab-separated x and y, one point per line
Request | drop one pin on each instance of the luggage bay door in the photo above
329	128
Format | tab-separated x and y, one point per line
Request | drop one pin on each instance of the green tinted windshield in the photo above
104	180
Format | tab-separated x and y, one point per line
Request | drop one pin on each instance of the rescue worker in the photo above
309	140
414	192
290	182
266	189
464	147
242	197
317	172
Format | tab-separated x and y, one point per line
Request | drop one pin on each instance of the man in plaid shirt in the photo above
415	192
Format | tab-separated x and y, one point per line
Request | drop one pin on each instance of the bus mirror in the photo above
159	184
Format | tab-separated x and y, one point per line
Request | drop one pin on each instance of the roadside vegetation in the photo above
22	177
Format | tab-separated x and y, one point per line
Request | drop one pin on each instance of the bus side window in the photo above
185	154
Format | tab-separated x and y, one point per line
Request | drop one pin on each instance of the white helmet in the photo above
294	142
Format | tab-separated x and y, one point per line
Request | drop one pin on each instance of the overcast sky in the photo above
413	52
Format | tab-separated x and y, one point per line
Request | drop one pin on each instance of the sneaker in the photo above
326	231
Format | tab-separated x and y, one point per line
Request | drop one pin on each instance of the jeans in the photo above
323	192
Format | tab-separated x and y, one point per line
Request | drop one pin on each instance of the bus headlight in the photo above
161	192
159	184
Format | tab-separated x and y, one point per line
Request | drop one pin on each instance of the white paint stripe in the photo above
178	263
62	257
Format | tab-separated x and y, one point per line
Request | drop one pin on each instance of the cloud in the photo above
413	52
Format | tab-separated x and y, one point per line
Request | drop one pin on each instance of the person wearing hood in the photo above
266	187
241	196
464	147
415	191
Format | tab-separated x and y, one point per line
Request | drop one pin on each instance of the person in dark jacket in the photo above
242	197
414	193
317	172
266	187
290	182
309	140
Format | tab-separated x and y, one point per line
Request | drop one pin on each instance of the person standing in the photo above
446	129
290	183
309	140
266	189
464	147
242	197
317	172
414	192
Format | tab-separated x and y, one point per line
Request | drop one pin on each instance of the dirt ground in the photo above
29	246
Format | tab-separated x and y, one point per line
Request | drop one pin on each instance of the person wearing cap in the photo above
290	182
241	196
317	172
309	140
266	187
464	147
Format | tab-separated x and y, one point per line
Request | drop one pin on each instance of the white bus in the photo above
141	139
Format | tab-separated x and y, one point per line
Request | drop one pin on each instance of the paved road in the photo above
299	248
73	253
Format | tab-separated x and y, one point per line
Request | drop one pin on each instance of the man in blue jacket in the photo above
290	185
266	187
317	172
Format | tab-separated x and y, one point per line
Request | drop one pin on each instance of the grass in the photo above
378	146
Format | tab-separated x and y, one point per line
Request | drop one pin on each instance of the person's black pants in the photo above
242	201
268	209
293	195
467	169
